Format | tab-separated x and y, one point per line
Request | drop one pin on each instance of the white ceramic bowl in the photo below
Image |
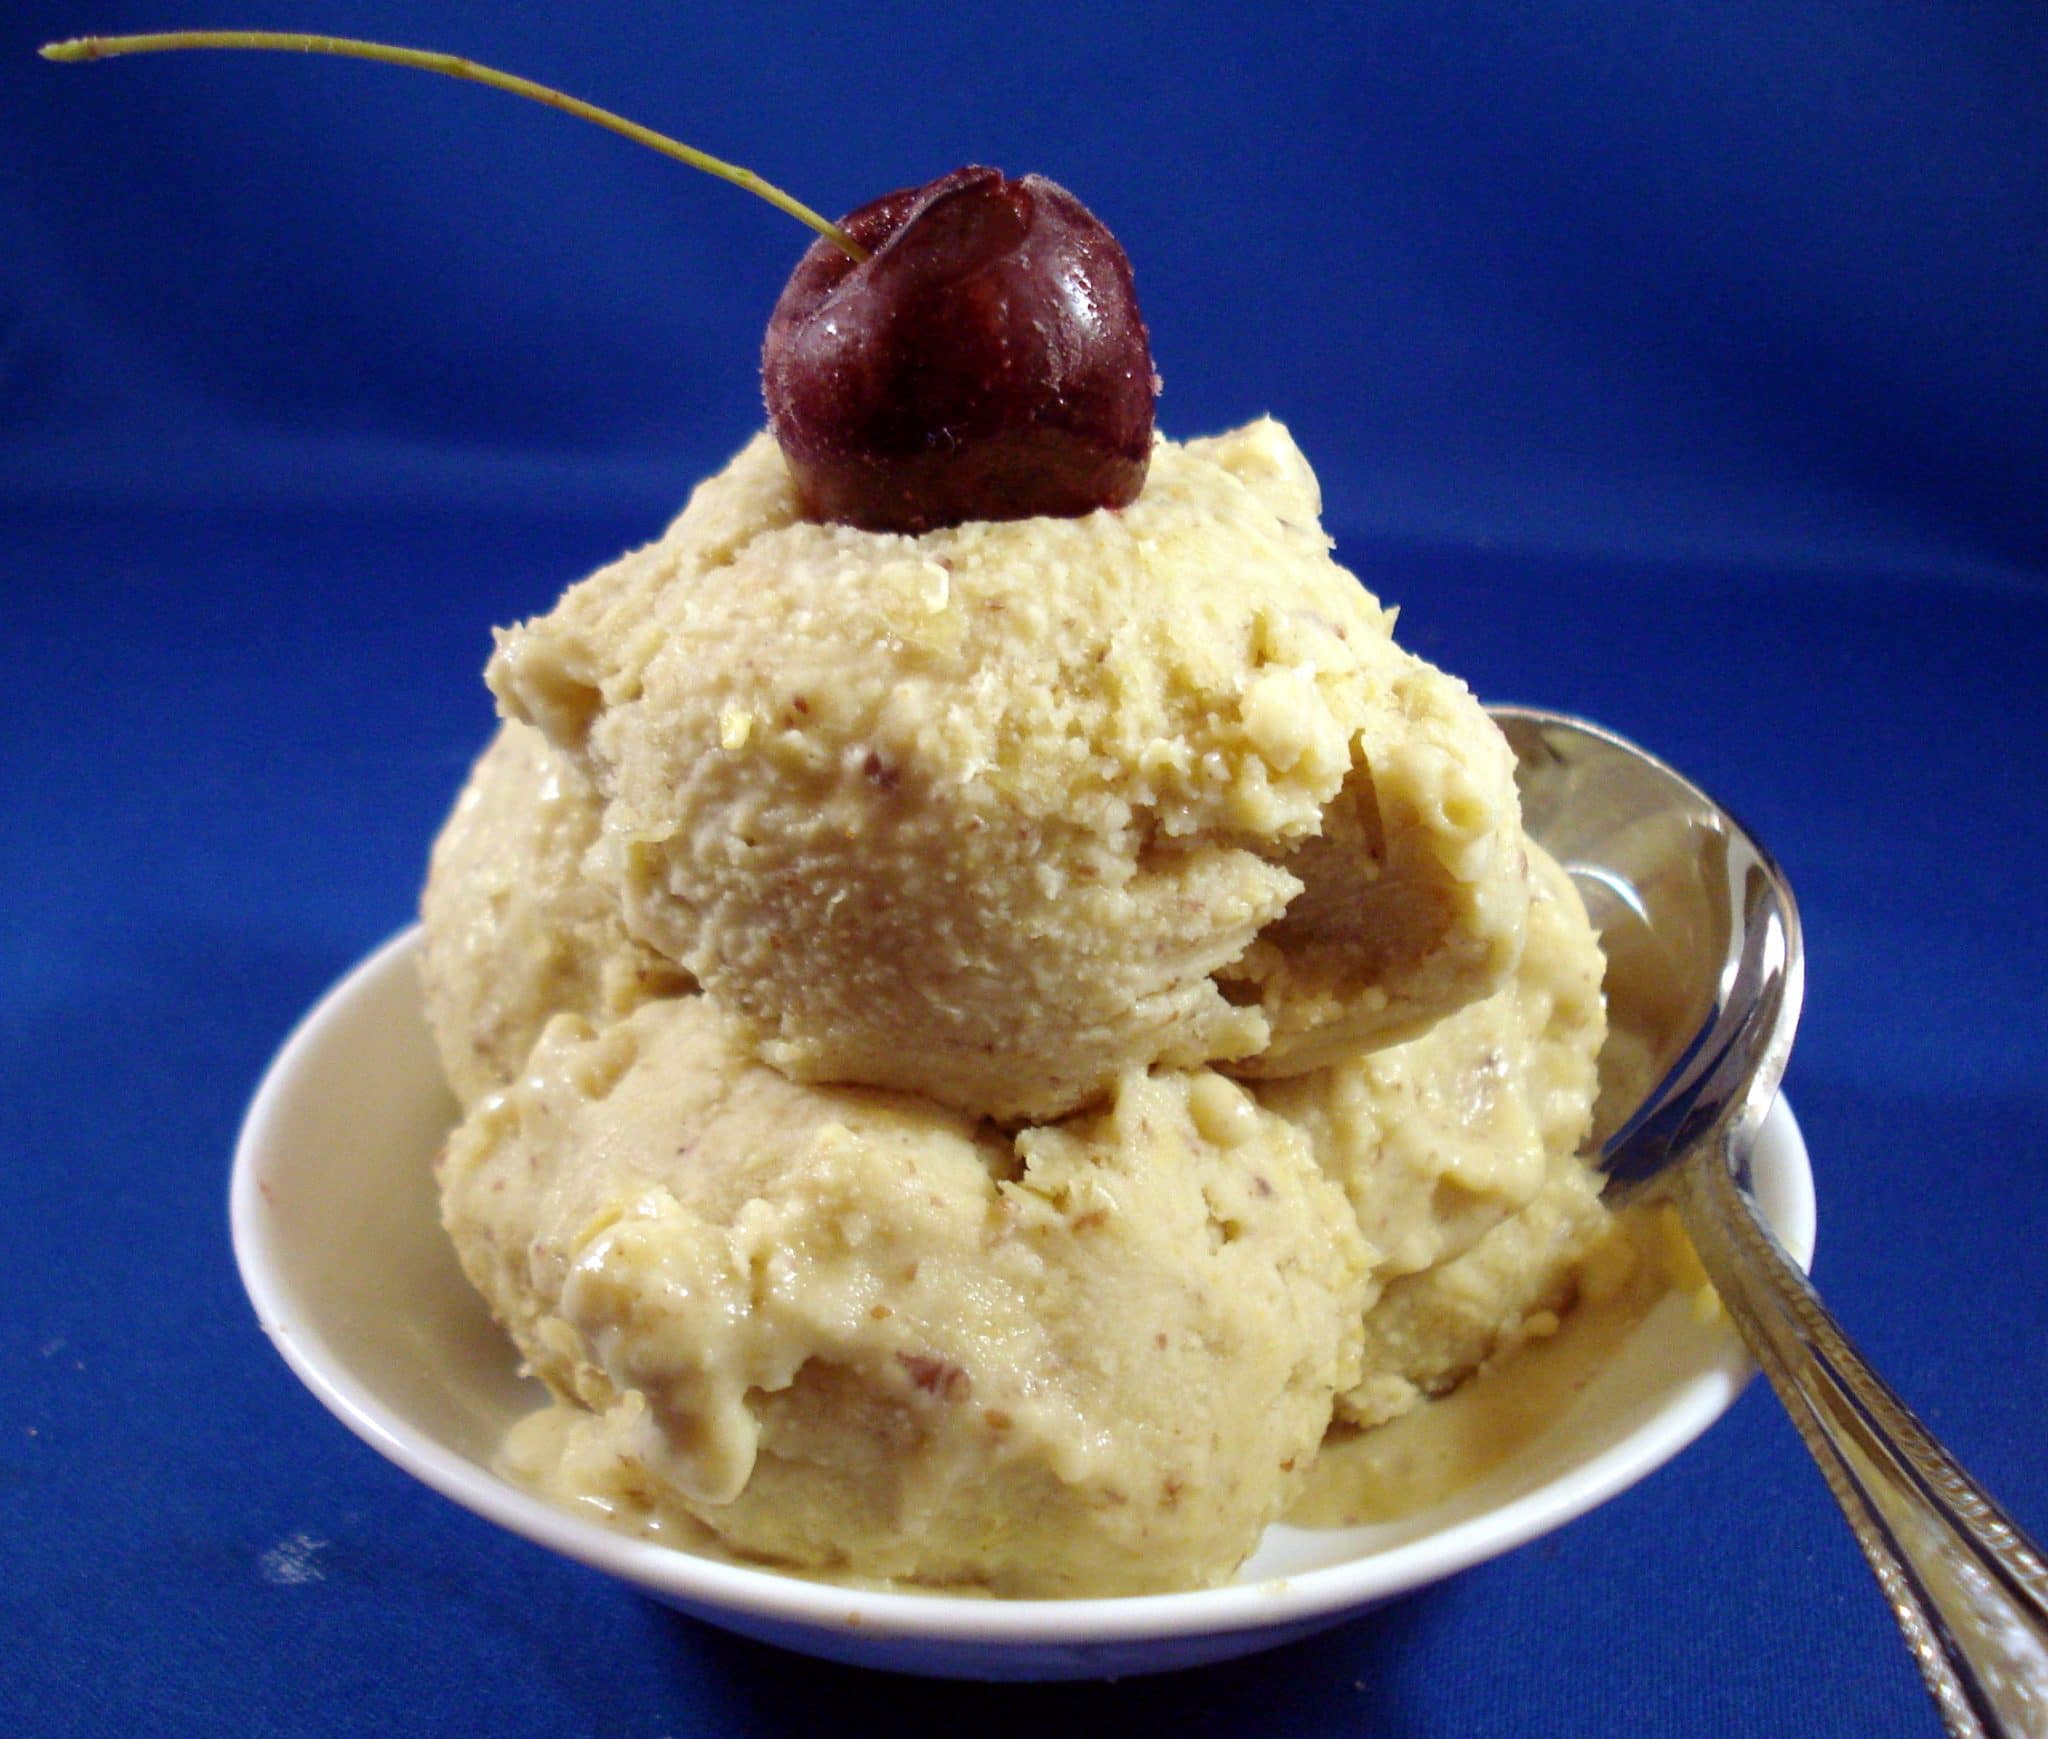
342	1253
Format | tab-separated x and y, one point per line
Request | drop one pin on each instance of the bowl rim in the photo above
784	1598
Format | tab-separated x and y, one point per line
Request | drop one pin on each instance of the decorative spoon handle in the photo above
1969	1590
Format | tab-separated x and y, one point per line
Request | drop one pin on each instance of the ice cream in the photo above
514	931
1133	1030
996	813
1460	1154
855	1330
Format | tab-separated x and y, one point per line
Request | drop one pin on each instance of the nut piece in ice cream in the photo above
1002	811
850	1329
513	930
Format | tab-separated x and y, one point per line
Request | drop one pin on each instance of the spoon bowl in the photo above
1700	930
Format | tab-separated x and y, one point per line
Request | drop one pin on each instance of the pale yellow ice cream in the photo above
935	1241
1431	1330
514	930
854	1330
1437	1139
1459	1152
998	813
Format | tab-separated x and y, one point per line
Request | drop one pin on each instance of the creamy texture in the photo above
1459	1152
1135	1033
998	813
849	1329
1429	1331
1544	1361
1439	1139
514	931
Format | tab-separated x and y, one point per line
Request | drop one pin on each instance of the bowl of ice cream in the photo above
344	1259
1019	1093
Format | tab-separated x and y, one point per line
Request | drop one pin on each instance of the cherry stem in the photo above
454	66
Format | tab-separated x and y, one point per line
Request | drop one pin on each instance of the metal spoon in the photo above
1705	971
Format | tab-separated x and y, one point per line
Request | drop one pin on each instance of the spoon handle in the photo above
1969	1590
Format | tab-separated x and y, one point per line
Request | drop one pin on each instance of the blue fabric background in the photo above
1683	364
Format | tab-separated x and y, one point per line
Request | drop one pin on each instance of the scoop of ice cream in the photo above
514	931
849	1329
1438	1139
1002	811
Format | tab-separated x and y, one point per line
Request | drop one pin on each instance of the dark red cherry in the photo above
986	361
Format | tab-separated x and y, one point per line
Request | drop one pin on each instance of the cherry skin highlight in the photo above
985	361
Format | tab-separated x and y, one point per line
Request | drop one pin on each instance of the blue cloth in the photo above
1681	365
